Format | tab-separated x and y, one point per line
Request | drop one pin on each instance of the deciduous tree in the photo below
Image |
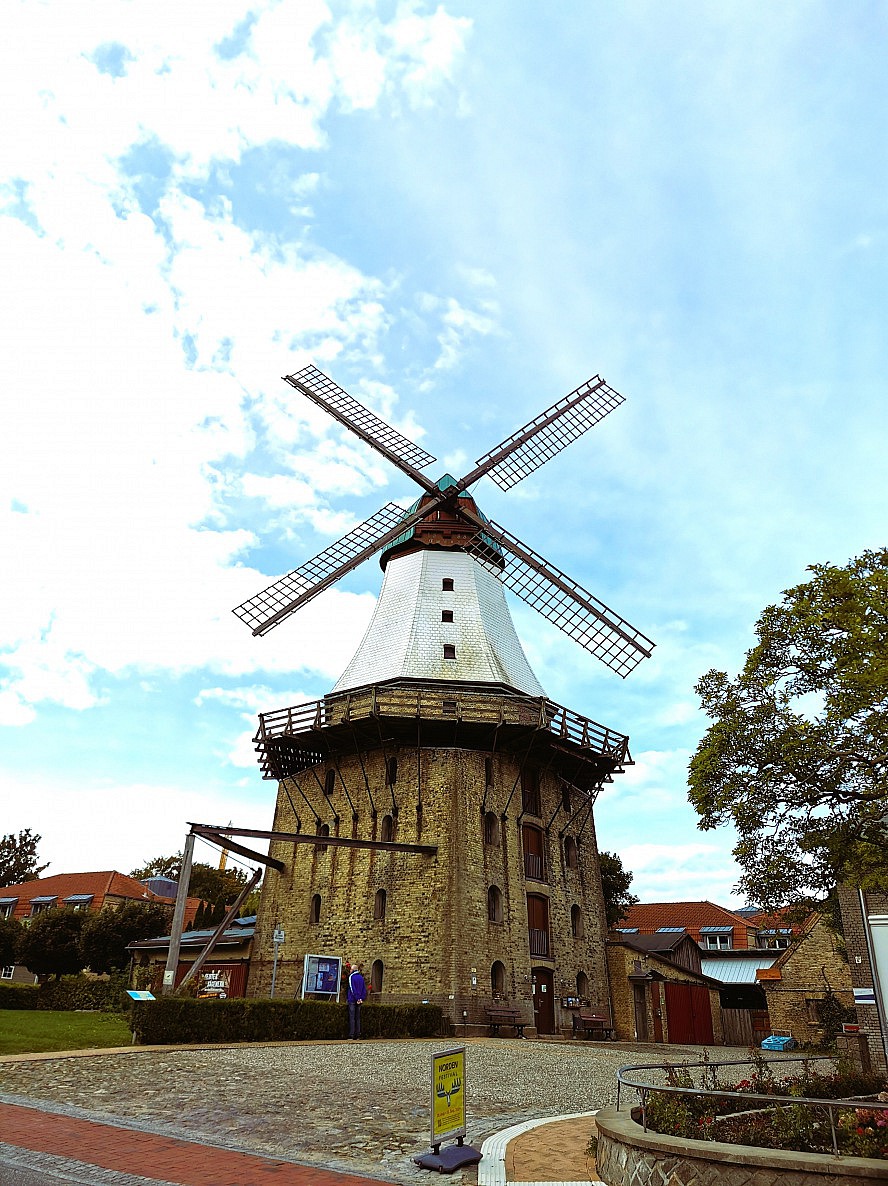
797	756
10	930
615	882
106	933
219	886
18	858
50	944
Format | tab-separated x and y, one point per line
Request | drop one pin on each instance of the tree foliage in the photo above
219	886
107	932
10	930
615	882
18	858
50	944
797	754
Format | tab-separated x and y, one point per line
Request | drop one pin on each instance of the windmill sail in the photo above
547	434
336	402
573	609
266	609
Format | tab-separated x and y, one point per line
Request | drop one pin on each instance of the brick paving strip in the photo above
165	1159
552	1152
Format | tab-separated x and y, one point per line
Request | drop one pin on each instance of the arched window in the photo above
530	791
323	830
491	829
498	981
576	922
330	783
387	831
570	852
376	971
533	841
379	904
391	772
488	772
582	985
494	904
314	914
565	798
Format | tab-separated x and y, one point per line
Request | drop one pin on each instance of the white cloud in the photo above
105	825
116	451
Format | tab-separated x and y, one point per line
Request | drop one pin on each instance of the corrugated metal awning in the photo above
737	971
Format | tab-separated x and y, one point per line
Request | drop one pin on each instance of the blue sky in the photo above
460	212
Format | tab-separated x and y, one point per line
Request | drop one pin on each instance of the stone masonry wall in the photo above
436	935
812	966
621	963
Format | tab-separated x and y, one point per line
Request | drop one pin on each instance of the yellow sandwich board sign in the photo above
448	1095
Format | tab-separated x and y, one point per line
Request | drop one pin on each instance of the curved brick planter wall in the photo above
629	1156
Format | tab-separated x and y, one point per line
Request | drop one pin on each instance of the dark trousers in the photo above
354	1019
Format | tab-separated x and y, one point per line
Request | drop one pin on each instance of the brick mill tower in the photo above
434	811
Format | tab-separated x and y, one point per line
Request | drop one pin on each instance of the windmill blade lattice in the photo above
266	609
573	609
321	390
549	433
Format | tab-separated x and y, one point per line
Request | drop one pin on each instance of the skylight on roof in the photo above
671	930
628	930
716	930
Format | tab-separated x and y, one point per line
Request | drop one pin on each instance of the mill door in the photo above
543	1000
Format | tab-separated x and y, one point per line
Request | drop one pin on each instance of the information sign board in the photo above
321	975
448	1095
140	995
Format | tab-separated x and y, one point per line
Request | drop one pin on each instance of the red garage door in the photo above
688	1014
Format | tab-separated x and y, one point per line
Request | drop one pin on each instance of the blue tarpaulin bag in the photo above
779	1042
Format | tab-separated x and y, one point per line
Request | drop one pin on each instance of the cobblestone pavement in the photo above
357	1106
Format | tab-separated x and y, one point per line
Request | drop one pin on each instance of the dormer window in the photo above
447	584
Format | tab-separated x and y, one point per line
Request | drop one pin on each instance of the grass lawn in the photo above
31	1031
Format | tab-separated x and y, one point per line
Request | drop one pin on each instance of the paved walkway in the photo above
165	1159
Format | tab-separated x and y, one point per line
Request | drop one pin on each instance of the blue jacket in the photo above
357	987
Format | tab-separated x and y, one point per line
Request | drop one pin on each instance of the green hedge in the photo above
19	996
173	1020
69	993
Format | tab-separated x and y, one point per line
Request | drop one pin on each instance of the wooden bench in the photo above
498	1015
594	1023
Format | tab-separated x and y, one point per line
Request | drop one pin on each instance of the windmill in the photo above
573	609
449	801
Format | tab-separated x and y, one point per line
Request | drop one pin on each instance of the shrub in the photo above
784	1125
83	992
175	1020
19	996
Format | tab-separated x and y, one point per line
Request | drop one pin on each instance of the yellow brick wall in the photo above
621	963
810	968
436	934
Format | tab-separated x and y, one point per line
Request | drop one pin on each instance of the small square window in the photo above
449	651
8	972
447	584
449	708
446	615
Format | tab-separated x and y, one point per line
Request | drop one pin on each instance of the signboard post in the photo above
321	975
448	1113
277	939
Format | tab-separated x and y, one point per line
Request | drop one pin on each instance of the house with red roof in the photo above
712	926
77	891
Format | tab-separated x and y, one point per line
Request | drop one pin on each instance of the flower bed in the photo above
861	1131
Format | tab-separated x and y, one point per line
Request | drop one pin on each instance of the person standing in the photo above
357	994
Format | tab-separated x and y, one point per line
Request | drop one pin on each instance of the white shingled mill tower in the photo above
434	810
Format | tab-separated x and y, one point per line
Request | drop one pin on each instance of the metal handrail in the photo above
747	1096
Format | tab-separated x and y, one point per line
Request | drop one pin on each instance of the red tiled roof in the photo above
650	916
106	884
